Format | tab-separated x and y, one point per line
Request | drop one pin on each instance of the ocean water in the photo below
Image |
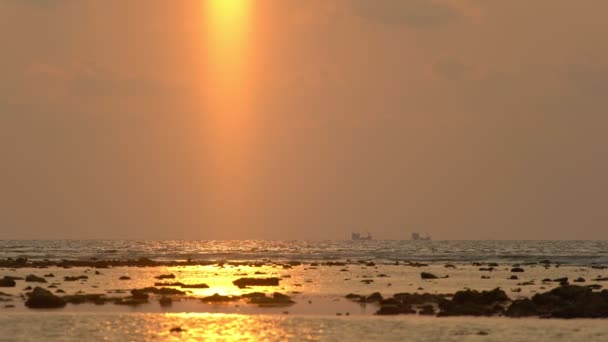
222	327
565	252
320	309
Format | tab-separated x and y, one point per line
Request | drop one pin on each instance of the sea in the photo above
321	312
565	252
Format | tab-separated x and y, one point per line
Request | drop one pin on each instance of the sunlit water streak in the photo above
213	327
569	252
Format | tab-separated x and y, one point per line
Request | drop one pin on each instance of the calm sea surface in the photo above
567	252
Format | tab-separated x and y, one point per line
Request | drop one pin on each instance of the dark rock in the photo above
474	303
513	277
50	275
97	299
367	281
83	277
244	282
124	278
253	295
373	298
34	279
568	301
165	276
162	291
579	280
487	269
420	299
427	310
493	264
177	330
131	301
140	294
276	299
427	275
216	298
449	266
165	301
195	286
40	298
517	270
601	279
415	264
172	284
395	310
354	297
485	277
7	282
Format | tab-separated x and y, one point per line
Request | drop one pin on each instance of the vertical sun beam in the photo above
228	100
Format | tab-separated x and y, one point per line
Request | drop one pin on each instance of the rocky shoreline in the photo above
558	298
565	301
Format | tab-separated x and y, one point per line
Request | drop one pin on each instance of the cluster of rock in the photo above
245	282
258	298
566	301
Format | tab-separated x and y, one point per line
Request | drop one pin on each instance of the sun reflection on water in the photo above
225	327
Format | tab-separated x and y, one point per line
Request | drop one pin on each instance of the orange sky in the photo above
303	119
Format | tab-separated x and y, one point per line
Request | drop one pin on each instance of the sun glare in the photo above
228	117
228	45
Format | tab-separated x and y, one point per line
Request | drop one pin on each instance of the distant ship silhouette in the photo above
418	237
359	237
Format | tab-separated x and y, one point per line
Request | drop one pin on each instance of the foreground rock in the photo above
217	298
403	303
163	291
7	282
568	301
427	275
277	299
183	286
34	279
40	298
97	299
244	282
165	276
475	303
